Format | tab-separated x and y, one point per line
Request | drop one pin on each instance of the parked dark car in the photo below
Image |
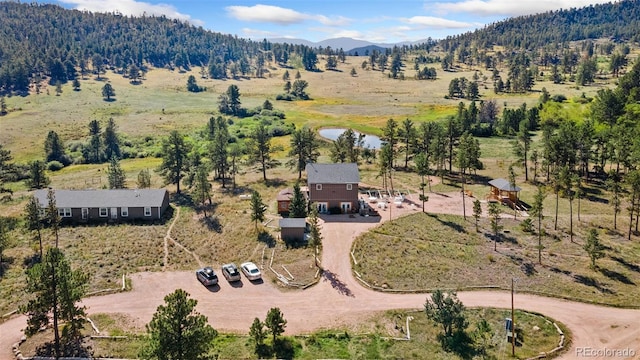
230	272
207	276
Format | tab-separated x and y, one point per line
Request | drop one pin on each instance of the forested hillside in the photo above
618	21
47	41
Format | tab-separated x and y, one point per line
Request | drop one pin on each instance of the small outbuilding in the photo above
502	190
284	201
292	229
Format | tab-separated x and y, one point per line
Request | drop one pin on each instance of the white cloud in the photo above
507	7
279	15
436	23
132	8
256	33
354	34
266	14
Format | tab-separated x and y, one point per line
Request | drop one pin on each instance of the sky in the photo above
377	21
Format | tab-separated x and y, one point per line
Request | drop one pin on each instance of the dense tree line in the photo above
44	41
617	20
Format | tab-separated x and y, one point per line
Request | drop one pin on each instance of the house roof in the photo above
503	185
103	198
293	223
285	195
342	173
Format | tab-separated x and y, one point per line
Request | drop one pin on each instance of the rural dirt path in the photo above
339	299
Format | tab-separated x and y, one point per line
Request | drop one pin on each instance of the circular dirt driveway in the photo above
340	299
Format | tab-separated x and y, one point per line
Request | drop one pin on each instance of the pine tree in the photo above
315	236
56	289
298	205
275	322
38	178
115	175
174	159
258	208
108	92
111	140
477	212
34	219
178	331
536	212
495	216
594	247
144	179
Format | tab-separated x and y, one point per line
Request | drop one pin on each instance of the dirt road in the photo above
340	299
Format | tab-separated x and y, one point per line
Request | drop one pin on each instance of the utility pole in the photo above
513	324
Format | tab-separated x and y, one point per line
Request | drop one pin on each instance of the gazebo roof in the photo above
504	185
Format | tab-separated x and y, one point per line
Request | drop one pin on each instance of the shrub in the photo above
527	225
559	98
54	165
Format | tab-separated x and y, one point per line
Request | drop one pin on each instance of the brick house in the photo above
116	205
333	186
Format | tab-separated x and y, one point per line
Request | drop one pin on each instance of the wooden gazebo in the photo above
502	191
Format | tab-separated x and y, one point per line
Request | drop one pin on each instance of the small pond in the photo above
370	141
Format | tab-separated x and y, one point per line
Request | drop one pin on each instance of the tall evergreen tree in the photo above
202	187
38	178
536	211
390	136
275	322
218	148
108	92
260	148
304	149
52	215
178	331
229	102
522	146
298	205
54	149
174	159
495	215
115	175
408	134
258	208
144	179
33	220
56	290
594	247
111	140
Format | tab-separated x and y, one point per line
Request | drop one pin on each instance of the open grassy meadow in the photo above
146	112
434	251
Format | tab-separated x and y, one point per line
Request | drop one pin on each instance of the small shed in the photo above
292	229
502	190
284	201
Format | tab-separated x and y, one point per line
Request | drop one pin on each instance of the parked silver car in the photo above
207	276
251	271
230	272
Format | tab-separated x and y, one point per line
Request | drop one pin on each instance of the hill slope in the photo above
619	21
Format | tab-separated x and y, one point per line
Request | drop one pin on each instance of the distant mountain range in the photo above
349	45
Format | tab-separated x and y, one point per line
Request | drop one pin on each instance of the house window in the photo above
349	187
124	212
147	211
64	212
85	213
323	207
103	212
318	187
